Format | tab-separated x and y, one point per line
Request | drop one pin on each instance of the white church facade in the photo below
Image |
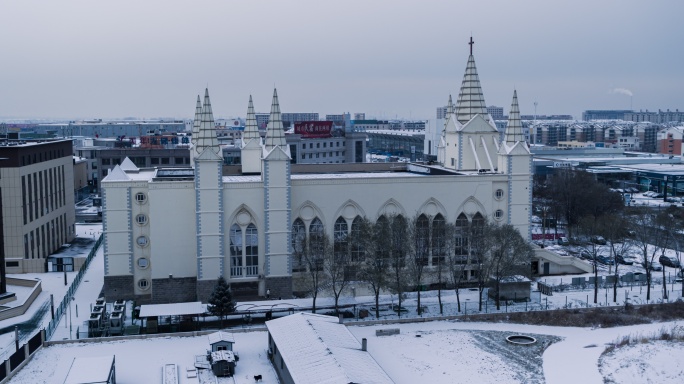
170	233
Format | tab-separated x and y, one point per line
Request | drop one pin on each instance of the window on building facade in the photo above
252	250
422	240
499	194
140	197
235	251
143	284
340	238
498	214
142	241
143	263
357	250
438	246
141	219
298	237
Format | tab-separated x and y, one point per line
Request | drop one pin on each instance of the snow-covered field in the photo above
444	352
654	362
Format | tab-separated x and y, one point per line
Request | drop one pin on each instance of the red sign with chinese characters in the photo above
311	129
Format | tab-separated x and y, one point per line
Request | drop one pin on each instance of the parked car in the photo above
669	262
563	241
621	260
605	260
653	266
598	240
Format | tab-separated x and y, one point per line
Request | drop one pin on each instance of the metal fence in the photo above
64	304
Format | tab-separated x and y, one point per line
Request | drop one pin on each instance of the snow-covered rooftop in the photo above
220	336
317	349
91	369
174	309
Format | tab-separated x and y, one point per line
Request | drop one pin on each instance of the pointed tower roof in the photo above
127	165
470	98
450	111
117	174
196	122
514	131
251	128
206	137
274	135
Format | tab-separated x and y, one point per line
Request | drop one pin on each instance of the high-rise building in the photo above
37	192
497	113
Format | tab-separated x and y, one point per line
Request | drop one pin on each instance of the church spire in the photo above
449	111
206	137
274	135
470	98
197	120
251	128
514	131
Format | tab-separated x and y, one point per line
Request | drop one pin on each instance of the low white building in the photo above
309	348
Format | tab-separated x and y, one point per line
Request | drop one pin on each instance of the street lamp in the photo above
70	328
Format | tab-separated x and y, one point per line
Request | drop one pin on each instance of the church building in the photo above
170	233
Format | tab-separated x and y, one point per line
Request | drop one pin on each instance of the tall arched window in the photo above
438	239
236	251
252	250
244	251
298	244
382	237
317	242
340	241
461	239
422	240
357	250
398	238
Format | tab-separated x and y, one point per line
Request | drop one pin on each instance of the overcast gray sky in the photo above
388	58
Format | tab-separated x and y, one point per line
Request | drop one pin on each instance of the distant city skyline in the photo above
388	59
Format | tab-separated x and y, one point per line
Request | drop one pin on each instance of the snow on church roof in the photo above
117	174
128	166
317	349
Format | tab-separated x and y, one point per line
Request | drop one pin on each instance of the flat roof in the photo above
87	370
174	309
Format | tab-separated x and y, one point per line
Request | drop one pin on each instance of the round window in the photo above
143	284
141	219
143	263
142	241
499	194
498	214
140	198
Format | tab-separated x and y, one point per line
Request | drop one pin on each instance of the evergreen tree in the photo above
221	300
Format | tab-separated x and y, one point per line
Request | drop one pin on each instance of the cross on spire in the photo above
471	44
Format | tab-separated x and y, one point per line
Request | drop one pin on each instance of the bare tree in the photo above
508	254
615	231
588	228
337	263
458	254
442	249
645	225
575	194
418	232
398	238
311	254
373	242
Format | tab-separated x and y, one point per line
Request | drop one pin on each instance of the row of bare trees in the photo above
398	255
589	209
